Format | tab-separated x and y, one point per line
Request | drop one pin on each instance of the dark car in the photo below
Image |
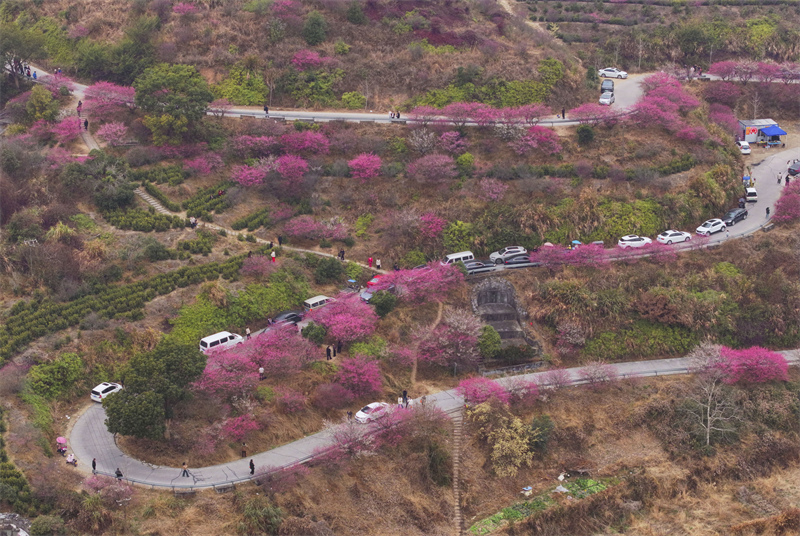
735	215
521	261
794	169
288	317
479	267
607	85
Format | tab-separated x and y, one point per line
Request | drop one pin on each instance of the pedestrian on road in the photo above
369	261
767	212
252	467
328	353
185	471
334	350
339	346
563	113
34	75
244	449
779	179
753	180
94	466
397	115
79	108
391	115
280	240
341	254
85	124
118	474
273	257
247	332
266	110
261	373
378	264
727	233
396	267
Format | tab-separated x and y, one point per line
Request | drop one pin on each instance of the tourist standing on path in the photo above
334	349
94	466
266	110
185	471
339	346
79	108
378	264
252	467
273	257
261	373
779	179
767	212
563	113
341	254
328	353
118	474
244	449
86	124
280	240
369	261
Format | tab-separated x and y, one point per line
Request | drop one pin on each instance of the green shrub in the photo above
135	219
172	175
328	270
325	243
151	189
413	258
340	48
314	332
465	164
363	223
644	339
489	343
253	221
156	251
374	347
53	379
541	429
585	134
265	393
353	100
459	236
515	354
47	526
201	245
206	201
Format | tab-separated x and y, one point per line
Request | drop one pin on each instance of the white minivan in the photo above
462	256
223	339
316	302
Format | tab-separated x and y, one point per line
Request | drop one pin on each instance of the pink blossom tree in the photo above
656	111
594	114
787	208
112	133
104	99
767	72
289	400
452	142
433	283
249	176
433	168
460	113
789	72
55	82
292	169
659	80
724	117
746	70
228	374
726	93
308	59
556	378
453	342
724	69
431	226
361	376
204	164
220	107
347	319
676	95
67	130
306	142
185	8
254	146
365	166
479	389
331	396
237	428
260	266
541	138
528	115
493	189
424	115
281	351
307	227
597	373
752	365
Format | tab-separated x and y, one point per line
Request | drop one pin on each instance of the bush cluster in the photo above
16	491
139	220
201	245
172	175
206	201
253	221
27	321
162	198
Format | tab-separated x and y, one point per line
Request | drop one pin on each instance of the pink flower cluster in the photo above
752	365
433	283
595	114
258	265
105	99
254	146
78	31
541	138
290	401
361	376
348	319
67	130
250	176
204	164
113	133
452	142
461	113
431	225
432	168
724	117
787	208
493	189
365	166
478	390
236	428
308	59
307	141
309	228
185	8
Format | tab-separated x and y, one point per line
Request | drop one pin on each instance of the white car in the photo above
103	390
607	98
633	241
373	411
673	237
499	256
743	146
612	72
711	226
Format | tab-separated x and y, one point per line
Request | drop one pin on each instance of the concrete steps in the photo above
150	200
458	435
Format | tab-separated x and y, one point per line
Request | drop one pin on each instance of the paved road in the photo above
90	439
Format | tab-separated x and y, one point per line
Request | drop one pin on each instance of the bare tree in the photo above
711	407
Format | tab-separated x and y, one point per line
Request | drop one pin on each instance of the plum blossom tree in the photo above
204	164
112	133
433	283
541	138
659	80
597	373
493	189
724	69
250	175
258	265
254	146
67	130
594	114
455	341
724	117
365	166
348	319
767	72
281	351
308	59
185	8
424	115
228	374
726	93
432	168
752	365
237	428
361	376
787	208
656	111
452	142
431	226
305	142
676	95
529	114
220	107
104	99
292	169
556	378
479	389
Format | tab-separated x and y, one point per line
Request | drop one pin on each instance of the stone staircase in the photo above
150	200
458	436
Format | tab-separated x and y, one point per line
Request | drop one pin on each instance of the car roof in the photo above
748	190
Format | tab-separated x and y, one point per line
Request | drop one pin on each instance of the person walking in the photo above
727	232
244	449
272	255
266	110
261	373
396	267
339	346
328	353
185	471
79	108
252	467
334	349
563	113
767	212
369	261
86	124
94	466
397	115
118	474
378	264
247	333
779	179
341	254
280	240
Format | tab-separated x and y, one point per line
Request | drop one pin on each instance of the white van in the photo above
223	339
316	302
462	256
750	195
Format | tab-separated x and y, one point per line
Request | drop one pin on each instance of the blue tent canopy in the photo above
773	130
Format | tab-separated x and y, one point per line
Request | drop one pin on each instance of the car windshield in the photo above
707	224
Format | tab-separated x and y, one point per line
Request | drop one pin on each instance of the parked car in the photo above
750	195
673	237
102	391
710	227
633	241
607	98
521	261
372	411
794	169
374	281
612	72
743	146
607	86
499	256
223	339
479	267
288	317
734	215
